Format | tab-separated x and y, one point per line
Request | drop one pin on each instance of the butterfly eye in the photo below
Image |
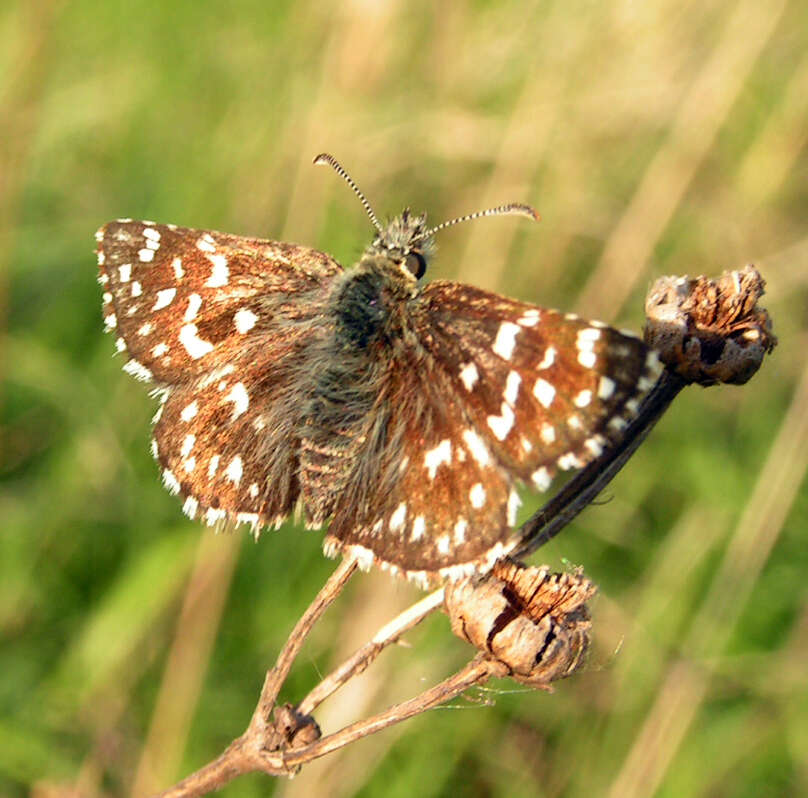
416	264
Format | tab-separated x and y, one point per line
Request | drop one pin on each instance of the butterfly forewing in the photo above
183	301
546	390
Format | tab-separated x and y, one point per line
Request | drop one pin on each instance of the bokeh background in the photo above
655	138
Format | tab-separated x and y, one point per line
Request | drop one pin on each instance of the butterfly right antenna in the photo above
324	157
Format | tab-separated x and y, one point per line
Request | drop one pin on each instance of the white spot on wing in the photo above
587	359
398	517
253	490
240	398
159	350
514	502
460	531
469	375
137	370
594	446
530	318
506	339
606	387
547	433
569	461
145	328
244	320
477	495
206	243
213	516
213	466
548	359
176	265
187	445
501	425
583	398
234	470
164	298
512	384
110	322
418	528
193	344
145	255
220	274
587	334
442	453
125	272
170	481
194	303
190	507
544	392
541	478
476	447
189	411
137	288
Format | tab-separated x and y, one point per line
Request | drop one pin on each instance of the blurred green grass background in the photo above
654	138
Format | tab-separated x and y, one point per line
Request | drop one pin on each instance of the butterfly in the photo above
403	414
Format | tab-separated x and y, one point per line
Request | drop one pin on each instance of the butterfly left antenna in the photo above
324	157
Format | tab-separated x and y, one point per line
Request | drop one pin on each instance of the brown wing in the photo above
221	324
497	392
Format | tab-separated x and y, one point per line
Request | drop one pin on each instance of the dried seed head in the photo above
710	331
532	621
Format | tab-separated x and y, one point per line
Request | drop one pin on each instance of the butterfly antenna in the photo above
324	157
513	208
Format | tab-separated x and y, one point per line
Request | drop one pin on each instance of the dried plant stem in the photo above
363	656
477	671
257	748
277	676
247	753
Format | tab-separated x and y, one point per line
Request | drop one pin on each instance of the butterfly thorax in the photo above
367	312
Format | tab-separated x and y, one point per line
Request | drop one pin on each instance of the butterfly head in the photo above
407	242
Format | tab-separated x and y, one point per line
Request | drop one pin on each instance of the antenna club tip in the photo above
322	158
531	212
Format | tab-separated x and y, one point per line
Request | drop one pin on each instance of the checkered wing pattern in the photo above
498	392
404	416
218	323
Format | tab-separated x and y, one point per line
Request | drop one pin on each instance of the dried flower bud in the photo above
532	621
710	331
